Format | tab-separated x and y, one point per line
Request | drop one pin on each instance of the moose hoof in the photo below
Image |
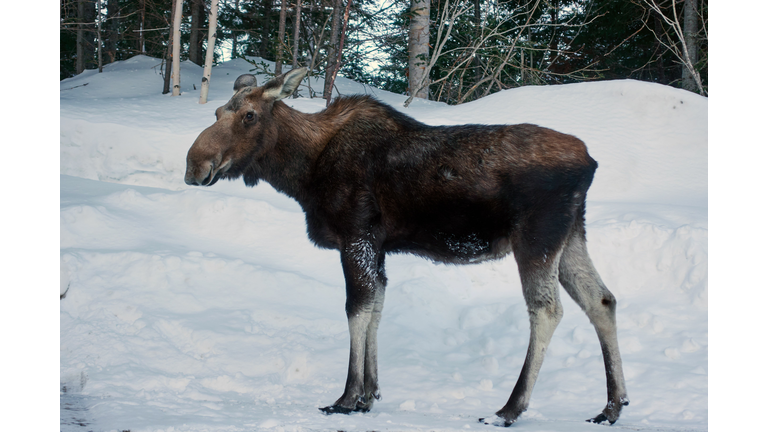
335	409
601	418
362	407
611	412
495	420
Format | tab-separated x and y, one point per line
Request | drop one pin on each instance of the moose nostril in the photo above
208	178
199	174
191	180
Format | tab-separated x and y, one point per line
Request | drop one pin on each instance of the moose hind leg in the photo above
364	274
582	282
541	291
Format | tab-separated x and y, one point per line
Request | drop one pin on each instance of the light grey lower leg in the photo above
582	282
545	311
371	380
363	285
354	389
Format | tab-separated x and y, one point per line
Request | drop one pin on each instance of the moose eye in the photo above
250	117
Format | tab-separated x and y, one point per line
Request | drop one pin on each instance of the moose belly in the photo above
452	231
454	249
454	246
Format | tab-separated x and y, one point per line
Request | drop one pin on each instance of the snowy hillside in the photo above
207	309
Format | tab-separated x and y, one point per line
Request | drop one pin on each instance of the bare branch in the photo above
676	45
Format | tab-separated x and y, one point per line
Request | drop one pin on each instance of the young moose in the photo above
373	181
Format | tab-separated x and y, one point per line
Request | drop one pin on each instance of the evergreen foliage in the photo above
509	43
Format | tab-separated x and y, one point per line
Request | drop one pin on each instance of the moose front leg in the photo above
354	398
364	273
371	376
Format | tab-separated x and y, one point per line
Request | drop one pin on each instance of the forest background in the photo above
452	51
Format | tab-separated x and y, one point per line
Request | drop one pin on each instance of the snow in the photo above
207	309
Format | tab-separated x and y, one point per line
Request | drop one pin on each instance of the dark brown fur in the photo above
373	181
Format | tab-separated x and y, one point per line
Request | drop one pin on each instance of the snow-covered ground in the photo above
207	309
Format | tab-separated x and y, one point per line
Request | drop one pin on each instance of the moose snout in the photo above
205	171
202	165
208	159
199	174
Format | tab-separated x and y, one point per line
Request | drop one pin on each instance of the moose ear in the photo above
245	80
283	86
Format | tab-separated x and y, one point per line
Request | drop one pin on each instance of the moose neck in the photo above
301	138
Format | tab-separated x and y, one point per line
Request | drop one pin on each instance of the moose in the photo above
372	181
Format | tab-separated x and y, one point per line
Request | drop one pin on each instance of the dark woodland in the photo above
475	47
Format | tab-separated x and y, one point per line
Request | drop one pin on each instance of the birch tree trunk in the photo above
175	67
418	49
444	27
681	40
212	22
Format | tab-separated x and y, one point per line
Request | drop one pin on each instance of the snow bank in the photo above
208	309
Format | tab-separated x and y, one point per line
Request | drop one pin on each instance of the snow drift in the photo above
208	309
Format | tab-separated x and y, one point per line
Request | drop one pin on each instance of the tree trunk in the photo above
340	49
554	41
86	16
197	8
478	35
234	34
143	9
690	30
296	35
333	46
660	70
169	53
80	61
98	35
212	21
315	38
112	23
266	29
418	49
90	34
176	66
281	38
